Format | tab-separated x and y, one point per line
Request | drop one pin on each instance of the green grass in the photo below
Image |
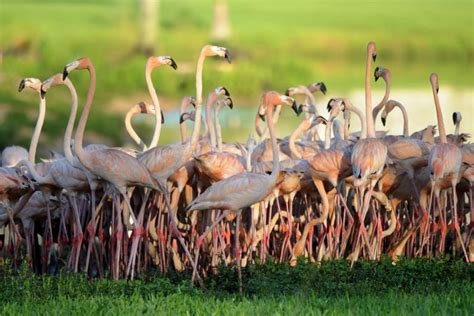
275	45
421	286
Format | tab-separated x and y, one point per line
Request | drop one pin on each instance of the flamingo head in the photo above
79	64
457	118
32	83
55	80
318	86
211	50
157	61
191	115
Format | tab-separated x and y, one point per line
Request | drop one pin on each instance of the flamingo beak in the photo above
287	92
374	57
181	118
323	88
262	116
228	56
329	106
384	120
300	109
21	86
162	117
173	64
65	73
295	107
226	92
192	101
42	92
229	103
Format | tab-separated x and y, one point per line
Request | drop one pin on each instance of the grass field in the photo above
420	287
275	45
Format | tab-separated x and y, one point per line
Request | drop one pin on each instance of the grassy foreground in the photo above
422	286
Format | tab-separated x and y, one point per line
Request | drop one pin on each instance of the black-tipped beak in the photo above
437	89
173	64
228	56
323	120
454	118
300	109
295	107
374	57
226	92
181	118
229	103
329	107
65	73
193	102
323	88
262	116
287	92
42	93
162	117
21	86
384	120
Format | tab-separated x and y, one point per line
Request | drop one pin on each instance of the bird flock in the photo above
324	192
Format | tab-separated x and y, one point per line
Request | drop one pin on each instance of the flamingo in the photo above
368	154
445	161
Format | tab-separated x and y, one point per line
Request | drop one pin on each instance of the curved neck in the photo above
276	157
156	103
217	125
304	125
197	121
363	122
210	126
405	119
84	116
70	122
37	131
380	106
439	116
337	130
131	132
368	100
310	97
347	123
327	135
32	171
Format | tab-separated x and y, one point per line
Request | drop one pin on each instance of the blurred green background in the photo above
275	44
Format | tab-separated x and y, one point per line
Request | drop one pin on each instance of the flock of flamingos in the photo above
200	203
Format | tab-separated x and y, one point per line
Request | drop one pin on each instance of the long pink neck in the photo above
130	130
78	148
304	125
70	122
156	102
37	131
276	157
197	121
327	134
212	129
380	106
368	99
405	119
439	116
363	121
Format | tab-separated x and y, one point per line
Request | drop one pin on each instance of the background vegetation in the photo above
275	45
422	286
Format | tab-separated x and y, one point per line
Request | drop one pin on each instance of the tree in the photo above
221	25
